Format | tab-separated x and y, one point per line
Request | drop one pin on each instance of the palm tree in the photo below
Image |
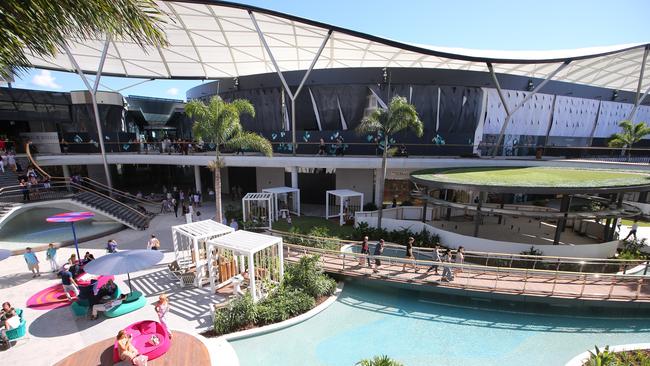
218	122
382	360
630	135
398	116
42	27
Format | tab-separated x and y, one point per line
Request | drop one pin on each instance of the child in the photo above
50	254
162	307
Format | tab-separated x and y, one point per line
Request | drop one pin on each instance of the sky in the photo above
474	24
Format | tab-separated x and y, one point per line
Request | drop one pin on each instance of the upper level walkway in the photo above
484	278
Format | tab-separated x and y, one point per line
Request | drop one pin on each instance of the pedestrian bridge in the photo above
496	273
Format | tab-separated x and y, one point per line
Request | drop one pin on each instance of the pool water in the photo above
29	228
416	329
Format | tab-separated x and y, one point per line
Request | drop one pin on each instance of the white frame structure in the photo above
187	239
341	195
276	191
246	248
255	201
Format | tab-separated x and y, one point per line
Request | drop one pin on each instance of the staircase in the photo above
8	178
114	209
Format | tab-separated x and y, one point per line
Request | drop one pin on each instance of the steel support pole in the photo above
509	114
93	97
292	96
561	222
637	98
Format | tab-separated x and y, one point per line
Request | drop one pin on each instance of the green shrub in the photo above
601	358
240	313
382	360
282	305
370	206
307	276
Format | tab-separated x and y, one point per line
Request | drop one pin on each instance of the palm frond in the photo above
250	141
372	123
42	27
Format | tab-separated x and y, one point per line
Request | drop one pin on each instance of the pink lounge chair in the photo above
141	333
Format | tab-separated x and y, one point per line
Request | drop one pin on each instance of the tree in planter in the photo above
218	122
631	134
382	360
399	115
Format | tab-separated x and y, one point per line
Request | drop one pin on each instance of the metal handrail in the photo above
486	257
499	273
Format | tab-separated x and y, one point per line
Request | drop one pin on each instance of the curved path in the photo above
185	350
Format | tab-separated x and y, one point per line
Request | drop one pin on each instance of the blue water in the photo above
29	227
416	329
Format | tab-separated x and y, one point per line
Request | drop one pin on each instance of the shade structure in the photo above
71	217
289	199
216	39
124	262
342	198
257	208
4	254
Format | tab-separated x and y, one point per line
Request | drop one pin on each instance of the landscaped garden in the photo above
605	357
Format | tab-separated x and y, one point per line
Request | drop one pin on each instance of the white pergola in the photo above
190	244
339	197
258	207
289	193
242	251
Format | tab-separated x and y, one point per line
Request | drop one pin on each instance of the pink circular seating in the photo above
141	333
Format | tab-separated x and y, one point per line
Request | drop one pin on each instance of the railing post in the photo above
638	289
525	281
611	286
343	262
512	258
496	281
555	279
645	270
487	259
584	282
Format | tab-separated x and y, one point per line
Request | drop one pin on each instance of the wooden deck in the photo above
566	285
185	350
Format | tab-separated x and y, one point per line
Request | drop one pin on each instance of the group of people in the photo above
339	147
439	256
189	202
7	160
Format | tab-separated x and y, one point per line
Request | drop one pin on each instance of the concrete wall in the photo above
360	180
96	172
269	178
453	240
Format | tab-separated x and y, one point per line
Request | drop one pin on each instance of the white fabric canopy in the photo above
345	193
203	229
277	190
217	39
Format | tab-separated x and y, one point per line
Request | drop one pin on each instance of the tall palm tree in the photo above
382	360
218	122
398	116
630	135
42	26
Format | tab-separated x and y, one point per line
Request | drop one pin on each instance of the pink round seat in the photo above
141	333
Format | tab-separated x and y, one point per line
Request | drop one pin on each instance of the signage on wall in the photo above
45	142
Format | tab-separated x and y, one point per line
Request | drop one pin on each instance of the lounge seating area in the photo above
134	301
20	331
149	337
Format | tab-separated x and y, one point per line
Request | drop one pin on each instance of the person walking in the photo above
460	258
153	243
379	250
633	229
50	255
162	307
234	224
447	275
69	284
32	262
365	249
436	258
409	254
175	204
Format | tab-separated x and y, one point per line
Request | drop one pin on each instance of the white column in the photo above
378	193
197	178
327	205
199	267
294	177
66	175
281	254
251	276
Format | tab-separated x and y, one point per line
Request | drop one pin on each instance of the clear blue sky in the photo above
479	24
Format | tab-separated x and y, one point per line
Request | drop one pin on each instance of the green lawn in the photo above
628	222
306	223
533	177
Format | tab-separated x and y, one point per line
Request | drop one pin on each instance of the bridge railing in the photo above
497	260
527	281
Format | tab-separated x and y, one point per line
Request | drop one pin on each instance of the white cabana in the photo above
258	255
258	208
190	245
347	201
284	198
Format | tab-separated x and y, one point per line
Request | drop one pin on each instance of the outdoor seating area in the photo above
342	203
285	200
257	208
20	331
190	248
149	337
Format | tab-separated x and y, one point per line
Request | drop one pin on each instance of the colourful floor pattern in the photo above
53	297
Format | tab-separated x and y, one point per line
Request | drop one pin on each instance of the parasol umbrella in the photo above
123	262
72	217
4	254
